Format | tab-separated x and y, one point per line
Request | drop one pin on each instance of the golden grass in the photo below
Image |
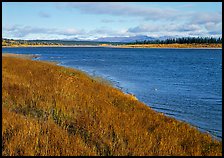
174	45
52	110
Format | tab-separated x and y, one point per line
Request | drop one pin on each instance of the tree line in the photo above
182	40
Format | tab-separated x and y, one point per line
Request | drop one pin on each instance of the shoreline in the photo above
24	56
175	46
51	46
171	48
179	46
28	56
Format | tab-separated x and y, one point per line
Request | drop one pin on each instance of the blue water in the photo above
182	83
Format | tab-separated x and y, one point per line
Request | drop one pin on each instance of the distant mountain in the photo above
125	39
121	39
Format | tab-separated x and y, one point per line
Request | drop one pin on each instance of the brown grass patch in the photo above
52	110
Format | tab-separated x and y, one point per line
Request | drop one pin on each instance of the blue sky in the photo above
90	20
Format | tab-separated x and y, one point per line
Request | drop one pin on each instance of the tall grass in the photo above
52	110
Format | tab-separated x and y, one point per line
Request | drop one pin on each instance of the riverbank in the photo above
23	56
196	46
68	113
175	46
51	46
27	56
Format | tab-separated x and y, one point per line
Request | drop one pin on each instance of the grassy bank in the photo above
27	43
52	110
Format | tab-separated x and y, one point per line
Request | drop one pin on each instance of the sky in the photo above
92	20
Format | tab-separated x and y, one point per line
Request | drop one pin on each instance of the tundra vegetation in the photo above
187	42
173	45
26	43
52	110
184	42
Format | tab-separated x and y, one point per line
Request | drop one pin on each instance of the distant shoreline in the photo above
56	46
175	46
166	46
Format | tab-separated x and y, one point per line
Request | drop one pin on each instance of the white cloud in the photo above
24	32
202	18
214	28
123	9
19	31
169	27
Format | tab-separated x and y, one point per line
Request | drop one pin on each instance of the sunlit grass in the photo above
174	45
52	110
